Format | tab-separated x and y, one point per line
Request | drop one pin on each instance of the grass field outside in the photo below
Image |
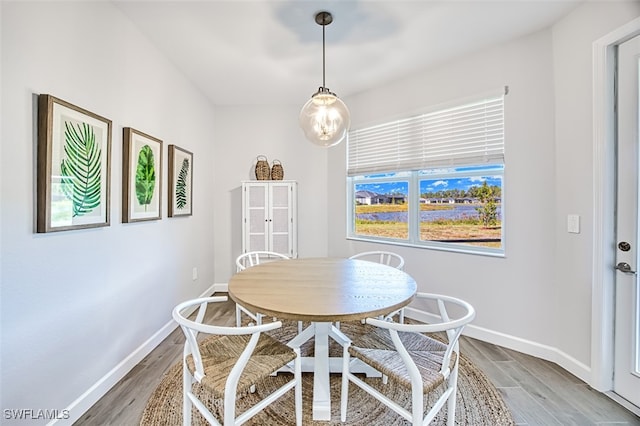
463	231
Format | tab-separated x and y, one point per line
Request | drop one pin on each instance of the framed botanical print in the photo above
180	181
141	176
73	167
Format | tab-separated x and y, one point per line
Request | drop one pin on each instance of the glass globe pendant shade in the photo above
325	119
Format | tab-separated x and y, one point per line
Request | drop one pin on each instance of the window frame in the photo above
370	165
413	199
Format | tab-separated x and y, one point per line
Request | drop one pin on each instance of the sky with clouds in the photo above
439	183
430	185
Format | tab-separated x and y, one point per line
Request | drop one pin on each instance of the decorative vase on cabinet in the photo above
269	222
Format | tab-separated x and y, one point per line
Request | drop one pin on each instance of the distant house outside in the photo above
370	198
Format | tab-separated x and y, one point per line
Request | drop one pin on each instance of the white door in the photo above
627	321
256	217
281	218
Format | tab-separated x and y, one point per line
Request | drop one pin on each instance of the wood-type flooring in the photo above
538	392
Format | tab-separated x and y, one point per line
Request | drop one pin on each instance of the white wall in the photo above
538	298
243	133
75	304
517	286
573	39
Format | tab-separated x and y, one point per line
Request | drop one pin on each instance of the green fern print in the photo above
181	185
81	169
145	176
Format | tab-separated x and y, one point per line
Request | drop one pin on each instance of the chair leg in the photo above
344	392
186	401
238	316
417	406
451	403
298	388
229	409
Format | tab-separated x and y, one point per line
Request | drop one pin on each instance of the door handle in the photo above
625	267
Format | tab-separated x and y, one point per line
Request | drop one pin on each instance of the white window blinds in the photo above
463	135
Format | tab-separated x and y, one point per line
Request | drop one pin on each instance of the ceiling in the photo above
240	52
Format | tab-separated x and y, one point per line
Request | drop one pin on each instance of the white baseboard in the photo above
85	401
549	353
221	288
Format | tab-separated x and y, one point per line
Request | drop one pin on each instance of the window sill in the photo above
435	246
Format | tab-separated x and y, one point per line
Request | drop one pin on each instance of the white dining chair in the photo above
411	359
386	258
230	362
252	258
381	256
247	260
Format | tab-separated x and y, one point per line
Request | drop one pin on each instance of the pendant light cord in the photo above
323	60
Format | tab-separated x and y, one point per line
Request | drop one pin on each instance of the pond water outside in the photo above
459	211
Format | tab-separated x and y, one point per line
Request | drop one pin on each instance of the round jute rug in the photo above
478	401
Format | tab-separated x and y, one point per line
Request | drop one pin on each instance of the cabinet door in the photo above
281	218
256	217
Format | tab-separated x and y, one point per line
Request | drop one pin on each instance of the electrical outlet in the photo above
573	223
194	274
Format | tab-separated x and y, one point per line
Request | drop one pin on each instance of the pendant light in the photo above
324	118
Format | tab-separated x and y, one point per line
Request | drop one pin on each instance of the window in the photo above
432	180
381	208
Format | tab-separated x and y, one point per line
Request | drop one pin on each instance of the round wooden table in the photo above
323	291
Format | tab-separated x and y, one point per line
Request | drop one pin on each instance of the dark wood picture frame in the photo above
141	176
180	181
73	167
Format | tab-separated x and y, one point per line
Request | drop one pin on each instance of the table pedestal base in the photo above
321	365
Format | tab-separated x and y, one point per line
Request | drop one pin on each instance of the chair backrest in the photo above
384	257
465	313
191	328
253	258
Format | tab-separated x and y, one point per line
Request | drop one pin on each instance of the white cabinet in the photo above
269	216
